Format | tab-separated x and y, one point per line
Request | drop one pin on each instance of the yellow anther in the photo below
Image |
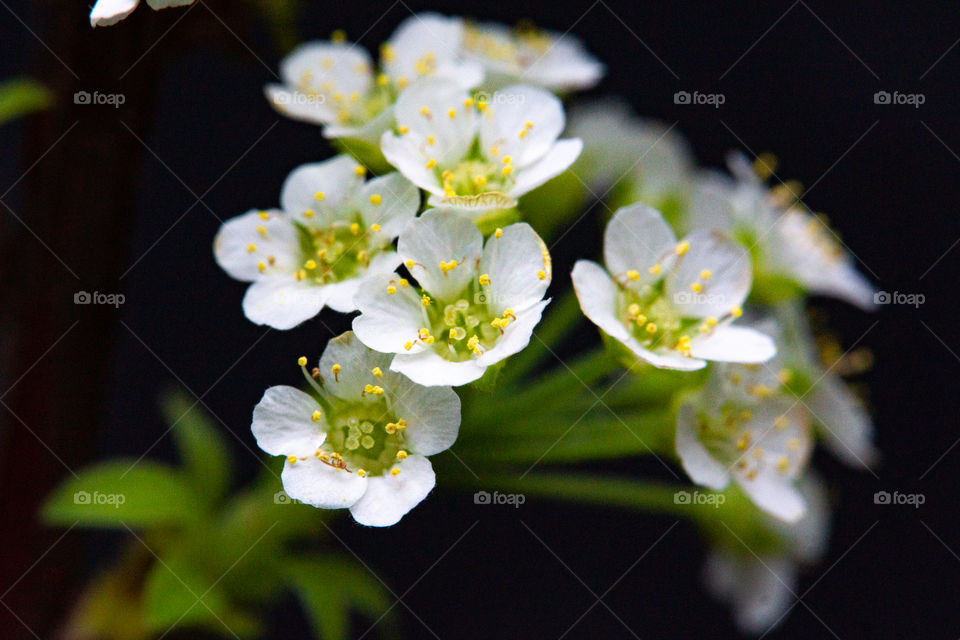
484	279
506	159
408	345
403	130
362	473
319	195
291	459
494	150
409	264
522	134
262	230
655	269
696	287
403	282
377	372
481	106
498	232
682	248
468	103
302	361
431	163
390	428
401	424
264	215
781	423
395	471
383	80
425	300
651	327
391	289
742	444
451	113
402	455
354	97
375	227
793	444
633	275
430	140
633	309
541	274
425	111
316	416
355	228
336	369
375	199
641	320
310	264
736	312
706	274
480	181
308	213
261	266
710	321
338	97
449	266
360	170
745	415
402	81
251	248
783	464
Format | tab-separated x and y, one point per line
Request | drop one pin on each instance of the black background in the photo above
799	80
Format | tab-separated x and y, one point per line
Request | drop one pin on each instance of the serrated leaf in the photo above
123	492
329	588
21	96
203	450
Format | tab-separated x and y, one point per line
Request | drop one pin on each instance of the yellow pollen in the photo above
374	227
710	321
682	248
362	473
494	150
302	361
484	279
360	170
706	274
395	471
468	103
319	195
498	232
696	287
425	300
408	345
430	140
310	264
655	269
793	444
651	328
377	372
633	275
261	266
507	159
522	134
262	230
425	111
251	248
308	213
541	274
641	320
391	289
480	181
336	369
431	163
403	130
506	170
481	106
402	455
783	463
316	416
403	282
451	113
736	312
291	459
383	80
264	215
528	125
375	199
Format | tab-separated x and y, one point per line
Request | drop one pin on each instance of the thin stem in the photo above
562	317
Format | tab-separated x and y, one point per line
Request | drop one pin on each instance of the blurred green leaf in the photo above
21	96
176	594
203	450
123	492
329	588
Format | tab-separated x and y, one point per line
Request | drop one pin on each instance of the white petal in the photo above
431	370
108	12
341	296
357	139
507	115
775	494
557	160
636	238
321	485
283	425
356	361
423	36
734	344
336	179
281	302
328	68
399	201
565	66
432	413
299	106
237	236
387	321
515	337
156	5
389	498
845	423
702	467
424	107
726	288
407	155
513	262
759	589
440	235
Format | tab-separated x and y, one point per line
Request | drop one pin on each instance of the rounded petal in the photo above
321	485
388	498
341	296
760	591
432	413
356	361
424	108
523	122
108	12
514	262
328	68
325	188
845	423
727	285
774	494
442	235
554	162
406	154
734	344
283	425
702	467
390	201
430	369
246	241
515	337
299	106
636	238
430	36
565	66
282	303
387	321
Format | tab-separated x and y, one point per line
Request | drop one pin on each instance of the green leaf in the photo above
123	492
21	96
330	587
176	594
204	452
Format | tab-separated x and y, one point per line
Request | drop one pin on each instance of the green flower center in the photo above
366	437
336	253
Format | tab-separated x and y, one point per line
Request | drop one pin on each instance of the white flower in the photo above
760	441
786	238
333	229
652	159
333	83
558	62
478	154
362	441
762	587
108	12
670	303
474	305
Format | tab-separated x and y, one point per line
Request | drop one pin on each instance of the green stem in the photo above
561	318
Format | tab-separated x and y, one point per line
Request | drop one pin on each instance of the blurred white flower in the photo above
362	441
761	585
558	62
108	12
471	307
478	153
333	229
334	84
670	303
786	238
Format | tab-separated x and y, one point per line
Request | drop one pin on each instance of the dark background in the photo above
798	79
